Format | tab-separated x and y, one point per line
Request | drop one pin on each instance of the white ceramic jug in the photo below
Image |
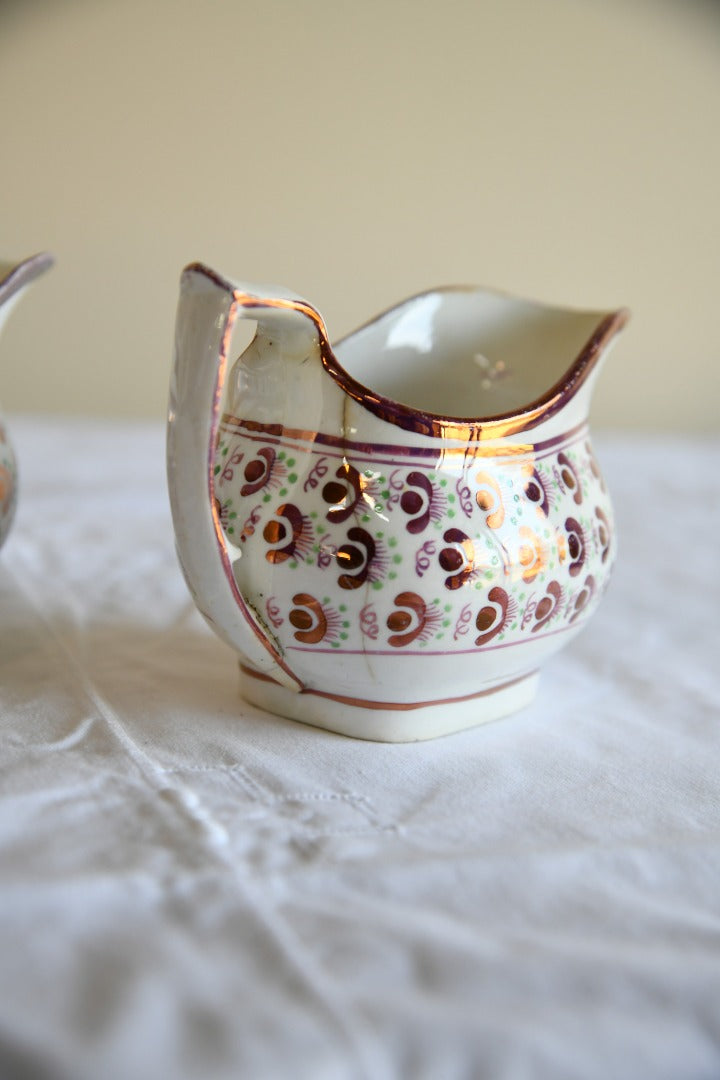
396	531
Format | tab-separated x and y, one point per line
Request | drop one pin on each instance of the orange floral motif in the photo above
548	607
361	560
562	549
570	477
576	545
263	471
537	491
343	494
313	621
494	616
411	619
421	502
583	598
603	532
489	499
289	532
532	554
458	559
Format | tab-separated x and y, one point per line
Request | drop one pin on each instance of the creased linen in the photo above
192	888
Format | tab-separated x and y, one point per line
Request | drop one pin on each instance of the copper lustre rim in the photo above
422	421
474	429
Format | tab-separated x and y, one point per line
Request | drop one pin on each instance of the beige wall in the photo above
566	150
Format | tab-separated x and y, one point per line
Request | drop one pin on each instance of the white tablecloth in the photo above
191	888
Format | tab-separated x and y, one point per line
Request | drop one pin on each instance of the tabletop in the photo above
194	888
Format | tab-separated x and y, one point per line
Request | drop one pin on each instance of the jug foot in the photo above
382	721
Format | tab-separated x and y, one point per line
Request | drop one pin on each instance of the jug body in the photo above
409	585
412	571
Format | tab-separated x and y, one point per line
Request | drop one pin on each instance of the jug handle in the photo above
208	307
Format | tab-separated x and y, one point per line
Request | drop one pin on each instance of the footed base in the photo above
383	721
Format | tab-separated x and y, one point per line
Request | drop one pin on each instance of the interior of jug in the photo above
465	352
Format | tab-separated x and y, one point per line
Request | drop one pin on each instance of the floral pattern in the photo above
389	549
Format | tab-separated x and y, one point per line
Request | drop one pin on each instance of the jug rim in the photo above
423	421
14	276
472	429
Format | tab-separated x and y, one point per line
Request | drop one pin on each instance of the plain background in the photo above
565	150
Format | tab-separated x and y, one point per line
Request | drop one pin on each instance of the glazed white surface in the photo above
283	475
193	888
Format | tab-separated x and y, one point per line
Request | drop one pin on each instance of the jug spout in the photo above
575	388
287	327
471	363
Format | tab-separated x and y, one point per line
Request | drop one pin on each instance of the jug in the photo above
14	277
396	531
